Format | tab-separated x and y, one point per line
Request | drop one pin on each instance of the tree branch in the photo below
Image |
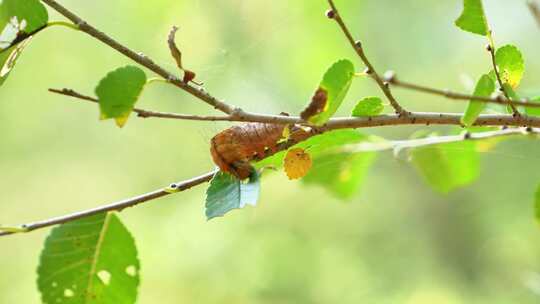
413	118
393	80
117	206
357	46
399	145
401	117
140	58
395	146
535	10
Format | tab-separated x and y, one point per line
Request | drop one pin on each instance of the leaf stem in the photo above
64	24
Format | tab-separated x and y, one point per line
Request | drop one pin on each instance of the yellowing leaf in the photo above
511	64
297	163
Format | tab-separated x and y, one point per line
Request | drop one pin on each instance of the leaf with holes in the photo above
336	83
484	88
227	193
511	65
473	18
18	20
369	106
297	163
91	260
119	91
447	167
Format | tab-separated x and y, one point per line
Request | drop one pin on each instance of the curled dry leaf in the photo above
189	76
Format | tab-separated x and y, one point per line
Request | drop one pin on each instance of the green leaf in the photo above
336	82
537	204
227	193
119	91
91	260
18	19
511	65
533	111
473	18
447	167
340	173
369	106
485	88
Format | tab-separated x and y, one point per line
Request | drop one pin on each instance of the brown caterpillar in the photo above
233	149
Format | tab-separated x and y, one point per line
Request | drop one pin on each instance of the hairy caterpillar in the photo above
233	149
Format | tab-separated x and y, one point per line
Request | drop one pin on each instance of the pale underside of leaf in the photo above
227	193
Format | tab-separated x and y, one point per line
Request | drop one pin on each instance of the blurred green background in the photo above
396	242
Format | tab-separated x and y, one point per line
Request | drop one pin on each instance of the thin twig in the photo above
393	80
144	113
117	206
357	46
399	145
236	116
535	10
140	58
